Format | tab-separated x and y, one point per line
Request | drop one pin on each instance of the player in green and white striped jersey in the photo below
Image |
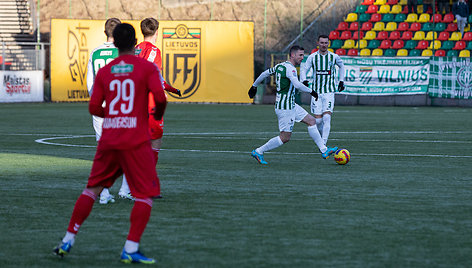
323	62
100	57
287	111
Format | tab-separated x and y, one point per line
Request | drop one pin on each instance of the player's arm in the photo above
340	64
292	75
253	90
155	85
170	88
305	68
97	98
90	75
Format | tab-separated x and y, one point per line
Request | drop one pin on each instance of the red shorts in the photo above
156	128
137	164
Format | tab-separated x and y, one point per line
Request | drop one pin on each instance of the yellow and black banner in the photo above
209	61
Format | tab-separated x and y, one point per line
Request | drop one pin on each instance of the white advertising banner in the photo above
21	86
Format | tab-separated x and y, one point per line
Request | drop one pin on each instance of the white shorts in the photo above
325	103
287	118
97	126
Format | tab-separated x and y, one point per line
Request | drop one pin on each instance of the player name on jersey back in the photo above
120	122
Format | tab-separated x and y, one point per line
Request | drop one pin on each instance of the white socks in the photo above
326	127
315	135
131	247
270	145
105	192
319	124
69	237
124	185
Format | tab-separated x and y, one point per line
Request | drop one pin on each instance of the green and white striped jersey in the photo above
324	71
285	98
99	57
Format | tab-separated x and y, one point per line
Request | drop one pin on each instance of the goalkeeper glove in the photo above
306	83
314	94
252	92
179	93
341	86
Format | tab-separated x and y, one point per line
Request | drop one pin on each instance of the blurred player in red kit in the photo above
124	147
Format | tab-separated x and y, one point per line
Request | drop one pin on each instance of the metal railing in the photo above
23	56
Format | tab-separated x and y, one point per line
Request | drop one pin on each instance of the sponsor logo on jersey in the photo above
323	72
106	53
122	68
181	50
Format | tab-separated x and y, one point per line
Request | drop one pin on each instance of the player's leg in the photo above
156	129
328	108
124	189
105	196
315	135
315	107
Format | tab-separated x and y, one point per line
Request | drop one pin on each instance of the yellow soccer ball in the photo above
342	156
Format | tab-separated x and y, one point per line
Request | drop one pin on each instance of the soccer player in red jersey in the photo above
124	147
148	50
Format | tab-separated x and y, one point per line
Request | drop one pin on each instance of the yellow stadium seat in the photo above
380	2
396	9
348	44
412	17
370	35
455	36
361	44
419	8
429	36
391	26
365	52
464	54
436	44
377	52
351	17
403	2
424	18
379	26
402	53
419	35
331	50
384	9
427	53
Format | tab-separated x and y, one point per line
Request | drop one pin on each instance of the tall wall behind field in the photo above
283	16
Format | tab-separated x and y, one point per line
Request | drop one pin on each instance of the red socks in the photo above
82	209
139	218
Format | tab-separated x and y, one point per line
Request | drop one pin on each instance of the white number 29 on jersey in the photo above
125	93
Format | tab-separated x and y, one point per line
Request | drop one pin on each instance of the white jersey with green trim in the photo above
324	71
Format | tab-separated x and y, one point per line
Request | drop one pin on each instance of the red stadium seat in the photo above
314	50
467	36
372	9
386	44
443	36
407	35
354	26
440	53
403	26
423	44
341	52
366	26
436	17
342	26
382	35
448	18
398	44
346	35
375	18
394	35
451	27
415	26
355	36
353	52
405	10
334	35
368	2
392	2
460	45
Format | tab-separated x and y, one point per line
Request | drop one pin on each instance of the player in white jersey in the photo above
287	111
99	57
323	62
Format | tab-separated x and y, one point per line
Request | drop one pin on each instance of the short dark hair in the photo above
322	36
124	37
149	26
110	25
295	48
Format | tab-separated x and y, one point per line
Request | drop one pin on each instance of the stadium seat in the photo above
392	2
400	18
470	17
380	2
330	50
365	52
419	36
386	44
424	18
448	18
373	44
364	17
390	53
452	53
460	45
447	45
379	26
361	44
403	26
427	53
440	53
367	2
455	36
443	36
464	54
420	10
333	35
366	26
348	44
402	53
375	18
467	36
439	27
398	44
412	17
354	26
436	44
394	35
391	26
410	44
451	27
428	26
352	52
372	9
370	35
405	10
342	26
351	17
346	35
341	52
414	53
436	18
469	46
429	36
382	36
377	52
384	9
407	35
415	26
388	17
423	44
355	36
335	44
361	9
403	2
396	9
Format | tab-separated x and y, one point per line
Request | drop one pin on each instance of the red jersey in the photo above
149	52
124	84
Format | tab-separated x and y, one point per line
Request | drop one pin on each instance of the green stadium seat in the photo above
440	27
411	44
361	9
414	53
427	27
452	53
470	17
335	44
469	46
364	17
447	45
390	53
388	17
400	18
373	44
